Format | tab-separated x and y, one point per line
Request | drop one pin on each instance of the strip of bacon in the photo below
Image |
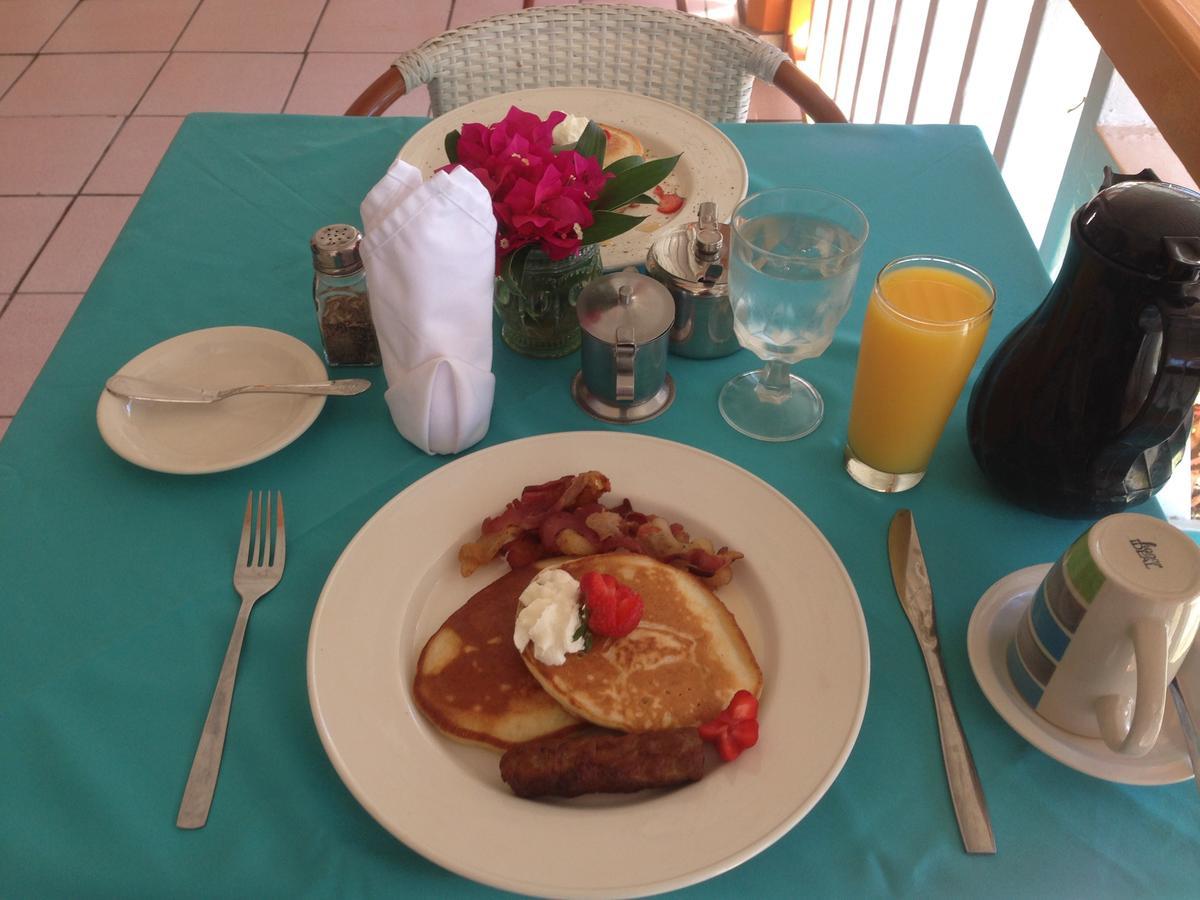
620	542
585	489
565	517
524	551
558	522
478	553
703	561
527	511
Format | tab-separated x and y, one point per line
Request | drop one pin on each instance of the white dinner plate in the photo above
398	580
711	167
193	439
993	624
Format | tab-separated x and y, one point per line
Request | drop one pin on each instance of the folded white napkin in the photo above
429	250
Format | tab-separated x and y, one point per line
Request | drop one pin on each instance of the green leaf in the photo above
643	198
608	225
632	182
452	146
625	162
514	264
583	631
592	142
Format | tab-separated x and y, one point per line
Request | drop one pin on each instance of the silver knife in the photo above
146	389
916	596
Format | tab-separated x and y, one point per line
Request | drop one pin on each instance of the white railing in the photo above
1020	70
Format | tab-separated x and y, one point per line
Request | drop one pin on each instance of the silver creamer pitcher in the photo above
626	321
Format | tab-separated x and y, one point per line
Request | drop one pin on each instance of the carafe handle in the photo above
1173	389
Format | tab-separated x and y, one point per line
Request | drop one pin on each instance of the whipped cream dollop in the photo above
548	615
569	129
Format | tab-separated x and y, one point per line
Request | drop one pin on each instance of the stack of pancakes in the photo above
678	668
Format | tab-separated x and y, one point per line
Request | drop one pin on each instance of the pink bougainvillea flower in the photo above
538	195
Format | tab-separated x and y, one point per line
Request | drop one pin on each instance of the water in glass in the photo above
788	301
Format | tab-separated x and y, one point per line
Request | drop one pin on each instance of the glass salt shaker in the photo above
340	295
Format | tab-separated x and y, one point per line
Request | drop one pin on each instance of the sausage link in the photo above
603	763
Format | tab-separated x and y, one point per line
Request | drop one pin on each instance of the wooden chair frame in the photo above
422	64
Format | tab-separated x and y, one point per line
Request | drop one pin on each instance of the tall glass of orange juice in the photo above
926	320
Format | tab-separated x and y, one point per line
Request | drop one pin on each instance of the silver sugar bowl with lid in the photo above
693	262
625	319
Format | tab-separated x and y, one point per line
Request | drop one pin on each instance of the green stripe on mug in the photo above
1082	571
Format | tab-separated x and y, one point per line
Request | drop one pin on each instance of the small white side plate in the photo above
991	630
197	439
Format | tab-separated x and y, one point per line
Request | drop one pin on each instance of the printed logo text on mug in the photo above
1145	552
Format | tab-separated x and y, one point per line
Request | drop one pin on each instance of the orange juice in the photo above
924	326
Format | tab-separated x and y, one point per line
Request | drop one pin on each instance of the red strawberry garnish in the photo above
735	729
667	202
613	609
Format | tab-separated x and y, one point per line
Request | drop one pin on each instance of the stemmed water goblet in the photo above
793	261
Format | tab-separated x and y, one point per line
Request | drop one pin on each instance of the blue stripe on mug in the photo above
1033	655
1029	689
1049	632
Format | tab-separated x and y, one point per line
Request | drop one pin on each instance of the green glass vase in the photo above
537	310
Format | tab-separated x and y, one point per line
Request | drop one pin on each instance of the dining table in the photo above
116	602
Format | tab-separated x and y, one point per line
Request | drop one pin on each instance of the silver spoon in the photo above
145	389
1188	725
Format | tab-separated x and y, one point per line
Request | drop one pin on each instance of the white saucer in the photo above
988	636
192	439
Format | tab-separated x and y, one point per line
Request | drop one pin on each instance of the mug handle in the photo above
1112	710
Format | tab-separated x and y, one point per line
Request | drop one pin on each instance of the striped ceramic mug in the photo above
1107	630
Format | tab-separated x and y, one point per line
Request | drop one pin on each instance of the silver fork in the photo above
257	570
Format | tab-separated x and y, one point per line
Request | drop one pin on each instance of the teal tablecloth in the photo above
115	602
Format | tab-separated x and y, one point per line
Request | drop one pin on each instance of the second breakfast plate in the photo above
398	580
711	167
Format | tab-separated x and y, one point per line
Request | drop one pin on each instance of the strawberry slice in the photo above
727	746
735	728
667	202
745	733
744	705
613	609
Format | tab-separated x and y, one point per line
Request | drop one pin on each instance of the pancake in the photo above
621	143
678	668
470	681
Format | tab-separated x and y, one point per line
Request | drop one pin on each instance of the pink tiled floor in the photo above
78	84
35	321
10	68
93	91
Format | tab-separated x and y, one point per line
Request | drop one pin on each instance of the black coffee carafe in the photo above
1085	407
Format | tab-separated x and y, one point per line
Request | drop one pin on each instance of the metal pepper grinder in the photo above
340	296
